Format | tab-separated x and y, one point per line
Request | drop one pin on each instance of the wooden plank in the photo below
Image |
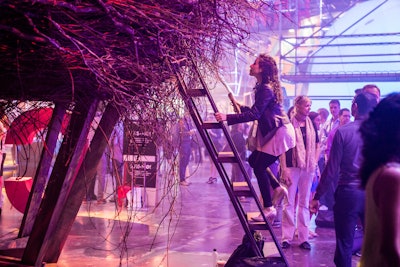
81	119
67	212
211	125
227	157
241	189
40	179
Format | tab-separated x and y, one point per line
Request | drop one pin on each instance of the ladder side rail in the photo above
276	241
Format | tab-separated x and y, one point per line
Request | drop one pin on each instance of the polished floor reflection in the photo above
181	231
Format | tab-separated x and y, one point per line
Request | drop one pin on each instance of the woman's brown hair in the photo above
270	75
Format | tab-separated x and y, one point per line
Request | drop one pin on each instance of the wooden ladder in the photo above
221	159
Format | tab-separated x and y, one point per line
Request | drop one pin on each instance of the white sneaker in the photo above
269	214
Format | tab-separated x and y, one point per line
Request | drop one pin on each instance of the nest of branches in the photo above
119	46
53	50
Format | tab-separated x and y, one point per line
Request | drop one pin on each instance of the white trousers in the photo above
301	185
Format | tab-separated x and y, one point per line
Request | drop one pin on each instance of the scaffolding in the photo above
311	57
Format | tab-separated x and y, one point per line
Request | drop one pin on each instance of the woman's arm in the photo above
262	98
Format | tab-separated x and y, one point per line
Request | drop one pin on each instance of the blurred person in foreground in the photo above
380	176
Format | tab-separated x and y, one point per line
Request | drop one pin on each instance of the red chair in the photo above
18	189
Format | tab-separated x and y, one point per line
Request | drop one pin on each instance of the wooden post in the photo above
68	212
67	159
42	172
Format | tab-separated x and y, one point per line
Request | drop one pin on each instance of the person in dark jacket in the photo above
344	162
274	136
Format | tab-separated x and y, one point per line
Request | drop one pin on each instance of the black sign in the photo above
140	156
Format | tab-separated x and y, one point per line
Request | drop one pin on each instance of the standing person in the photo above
328	199
184	137
216	137
290	112
323	114
117	161
316	120
344	118
275	134
329	126
344	162
373	89
102	170
380	176
90	195
240	144
298	170
334	108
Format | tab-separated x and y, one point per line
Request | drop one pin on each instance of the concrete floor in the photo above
181	231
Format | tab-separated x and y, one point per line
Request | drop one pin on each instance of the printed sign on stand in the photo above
140	161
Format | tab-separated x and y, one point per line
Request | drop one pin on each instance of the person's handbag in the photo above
245	250
244	256
251	141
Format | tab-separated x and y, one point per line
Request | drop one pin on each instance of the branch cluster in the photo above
117	50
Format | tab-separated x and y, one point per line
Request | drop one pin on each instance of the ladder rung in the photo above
258	225
227	157
241	189
240	186
211	125
196	92
255	225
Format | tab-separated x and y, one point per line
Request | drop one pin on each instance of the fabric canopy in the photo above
29	125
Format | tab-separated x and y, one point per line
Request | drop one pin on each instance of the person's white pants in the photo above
301	185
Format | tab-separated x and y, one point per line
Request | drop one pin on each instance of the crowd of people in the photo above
328	163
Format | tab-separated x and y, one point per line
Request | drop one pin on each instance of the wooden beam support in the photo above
42	172
62	224
64	170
